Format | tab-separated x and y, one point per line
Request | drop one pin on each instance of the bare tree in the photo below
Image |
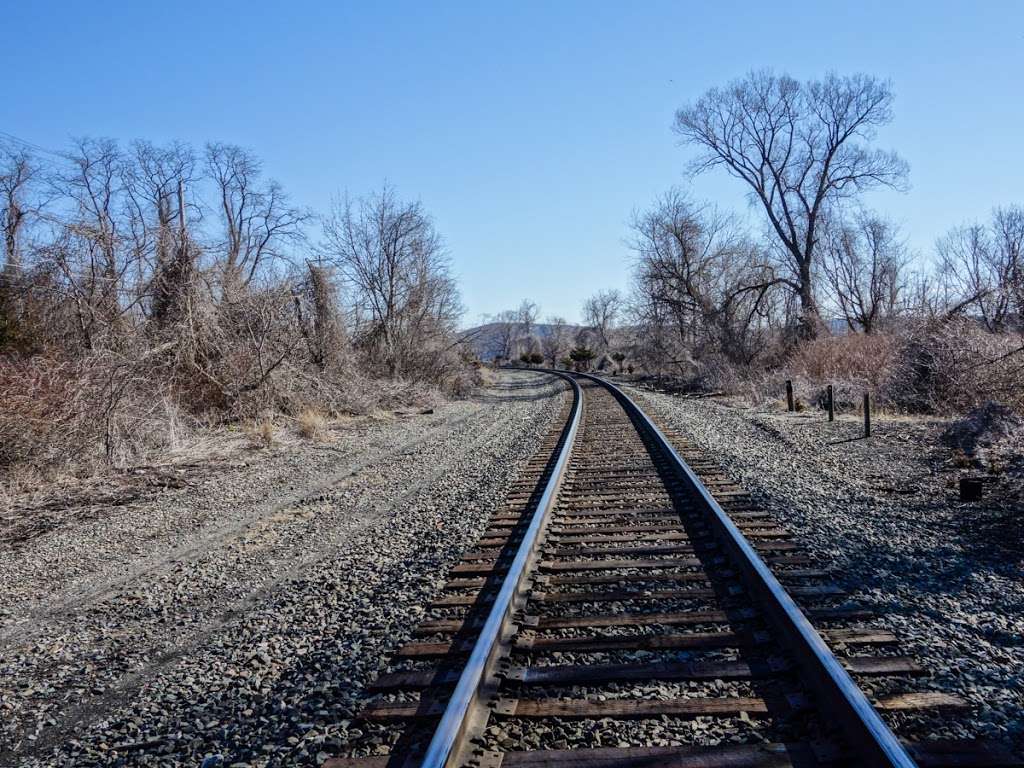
600	312
658	340
393	260
864	263
1008	233
128	314
17	173
698	267
259	223
984	268
556	342
157	182
924	293
800	148
506	332
91	252
515	330
526	319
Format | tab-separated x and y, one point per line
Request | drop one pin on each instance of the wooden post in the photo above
789	396
831	403
867	415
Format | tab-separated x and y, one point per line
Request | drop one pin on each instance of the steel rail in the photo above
447	740
866	732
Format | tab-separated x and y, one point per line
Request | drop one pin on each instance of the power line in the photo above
32	145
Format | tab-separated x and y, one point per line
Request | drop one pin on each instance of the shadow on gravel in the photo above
993	535
975	542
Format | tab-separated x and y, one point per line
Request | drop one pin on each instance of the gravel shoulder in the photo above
236	613
885	515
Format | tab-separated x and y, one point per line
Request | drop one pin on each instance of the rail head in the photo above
445	745
864	729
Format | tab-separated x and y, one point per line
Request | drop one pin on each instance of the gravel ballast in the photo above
885	515
235	621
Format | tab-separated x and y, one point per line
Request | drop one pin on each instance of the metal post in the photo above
789	396
867	415
831	403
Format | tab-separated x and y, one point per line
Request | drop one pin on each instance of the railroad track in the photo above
630	606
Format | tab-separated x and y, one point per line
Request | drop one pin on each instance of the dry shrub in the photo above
853	364
83	413
46	412
715	373
345	392
485	376
938	367
955	365
469	379
311	424
856	357
119	346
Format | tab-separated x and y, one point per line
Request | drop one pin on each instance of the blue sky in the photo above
529	130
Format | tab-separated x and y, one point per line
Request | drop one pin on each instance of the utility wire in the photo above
31	145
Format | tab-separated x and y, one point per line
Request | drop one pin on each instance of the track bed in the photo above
629	605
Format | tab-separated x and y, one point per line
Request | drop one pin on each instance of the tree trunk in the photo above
810	319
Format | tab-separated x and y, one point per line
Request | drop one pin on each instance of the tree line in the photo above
714	297
141	274
804	151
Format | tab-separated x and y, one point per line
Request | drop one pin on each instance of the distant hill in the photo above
486	340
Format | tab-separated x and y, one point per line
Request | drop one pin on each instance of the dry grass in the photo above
311	424
260	433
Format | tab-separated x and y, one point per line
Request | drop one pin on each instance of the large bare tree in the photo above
18	176
93	251
18	171
259	222
800	148
158	181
